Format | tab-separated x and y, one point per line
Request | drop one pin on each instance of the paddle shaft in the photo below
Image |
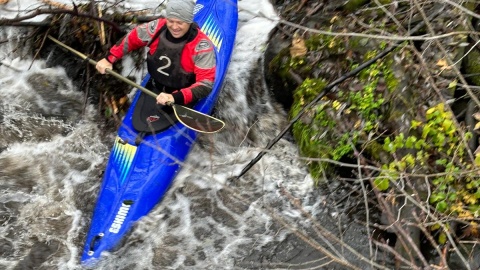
109	71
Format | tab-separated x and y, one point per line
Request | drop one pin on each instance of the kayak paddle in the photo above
192	119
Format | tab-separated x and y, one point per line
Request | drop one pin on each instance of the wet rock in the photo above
189	261
171	240
6	248
471	252
224	218
201	207
164	257
52	98
231	203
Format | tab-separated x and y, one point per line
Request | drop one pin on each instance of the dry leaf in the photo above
298	48
476	116
3	2
122	100
114	105
357	124
443	64
477	126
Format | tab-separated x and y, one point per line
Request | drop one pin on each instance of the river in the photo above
53	153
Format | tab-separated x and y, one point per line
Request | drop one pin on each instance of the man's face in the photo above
177	28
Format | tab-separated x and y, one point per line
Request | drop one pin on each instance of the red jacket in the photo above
196	58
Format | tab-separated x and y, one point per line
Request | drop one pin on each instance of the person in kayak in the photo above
181	58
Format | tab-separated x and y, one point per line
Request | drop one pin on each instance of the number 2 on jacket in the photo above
168	63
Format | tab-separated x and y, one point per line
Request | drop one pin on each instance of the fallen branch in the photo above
22	21
15	21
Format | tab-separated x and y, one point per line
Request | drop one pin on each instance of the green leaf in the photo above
435	226
477	160
447	124
440	139
442	161
442	206
477	194
108	112
437	197
452	197
425	131
442	238
438	181
416	124
410	159
401	165
410	141
419	144
430	111
381	183
452	84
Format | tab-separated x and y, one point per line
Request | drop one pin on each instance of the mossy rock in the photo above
472	66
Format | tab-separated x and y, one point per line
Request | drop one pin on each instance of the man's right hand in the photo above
102	65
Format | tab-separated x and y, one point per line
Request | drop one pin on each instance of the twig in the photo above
395	253
10	67
40	48
321	231
102	27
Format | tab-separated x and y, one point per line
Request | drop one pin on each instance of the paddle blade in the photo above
196	120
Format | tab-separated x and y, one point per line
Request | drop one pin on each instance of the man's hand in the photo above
102	65
164	98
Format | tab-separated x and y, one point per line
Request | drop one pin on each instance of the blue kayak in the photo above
142	166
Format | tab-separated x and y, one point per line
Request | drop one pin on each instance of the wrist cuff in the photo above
111	58
178	97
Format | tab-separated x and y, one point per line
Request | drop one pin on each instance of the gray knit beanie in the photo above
181	9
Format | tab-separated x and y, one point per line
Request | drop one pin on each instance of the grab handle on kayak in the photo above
92	243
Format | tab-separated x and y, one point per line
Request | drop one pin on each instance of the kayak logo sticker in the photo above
185	115
120	217
153	118
197	8
211	29
123	154
202	45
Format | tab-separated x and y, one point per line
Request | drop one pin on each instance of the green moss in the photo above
353	5
335	124
326	43
347	117
472	66
308	140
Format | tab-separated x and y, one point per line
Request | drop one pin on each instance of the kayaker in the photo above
181	58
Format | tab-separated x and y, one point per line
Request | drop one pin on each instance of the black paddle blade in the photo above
196	120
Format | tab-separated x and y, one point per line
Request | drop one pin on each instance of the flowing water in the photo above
53	153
